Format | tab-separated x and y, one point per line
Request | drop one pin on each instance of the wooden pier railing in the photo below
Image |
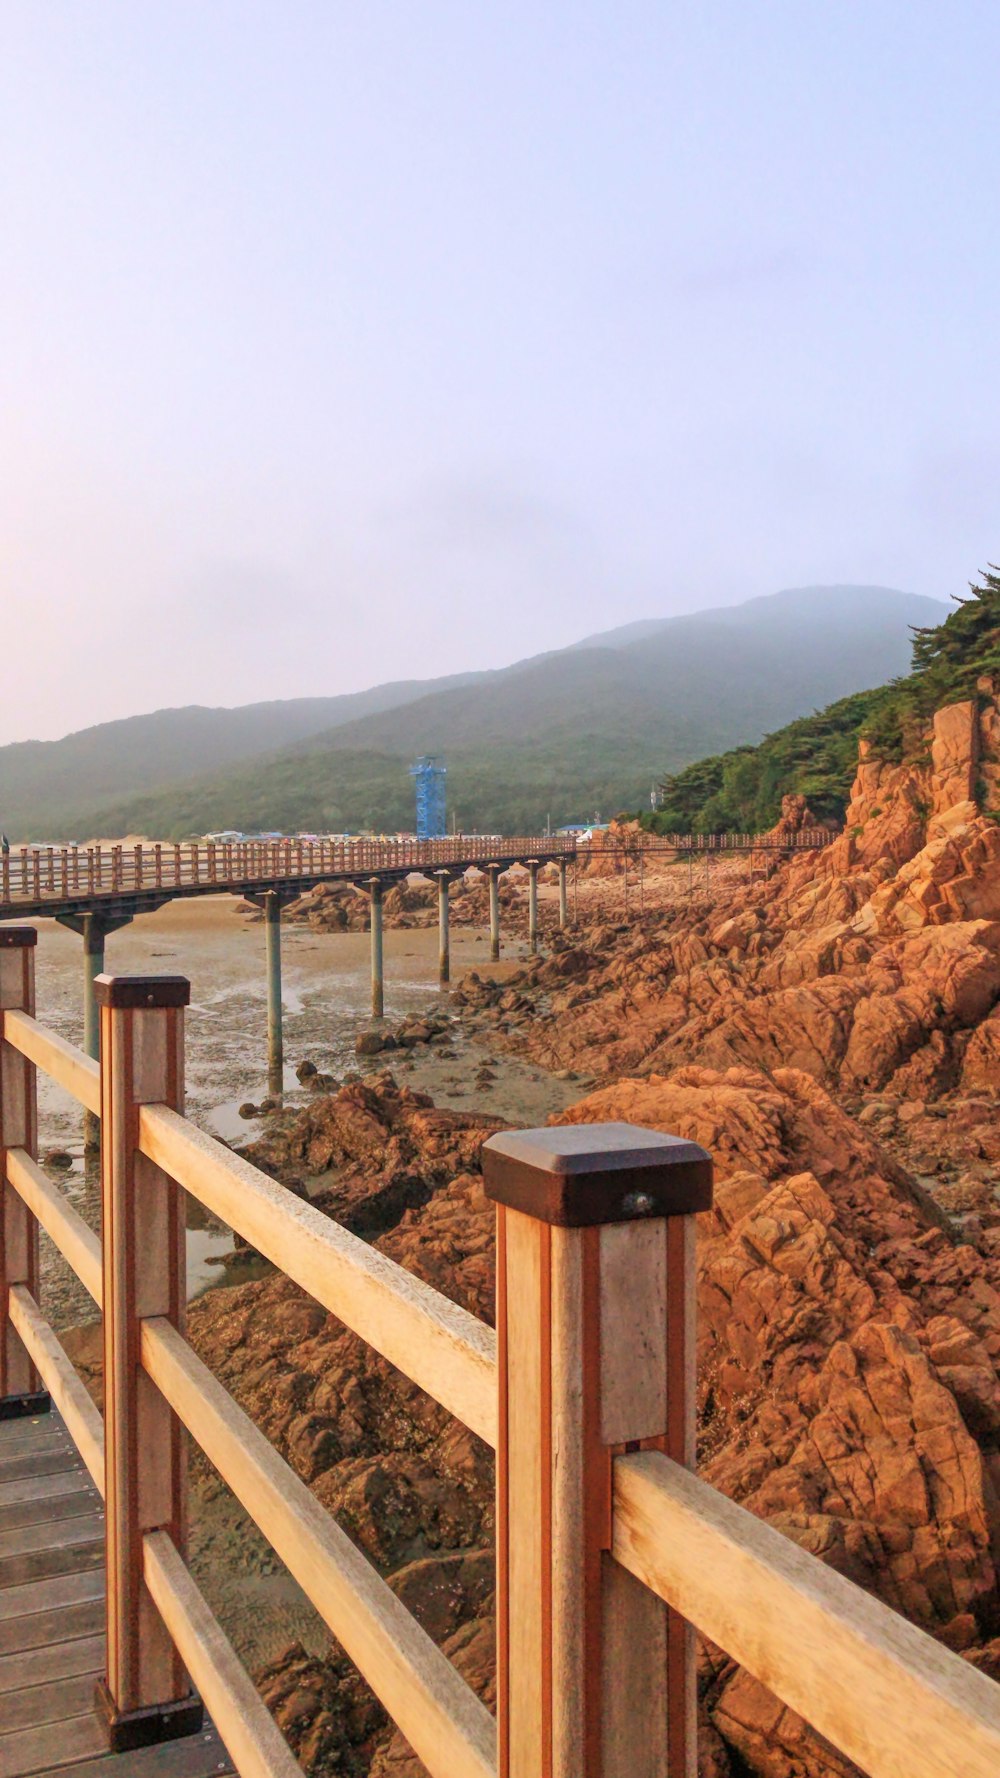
610	1549
64	873
37	874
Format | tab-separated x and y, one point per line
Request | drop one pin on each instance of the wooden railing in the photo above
67	873
609	1547
62	873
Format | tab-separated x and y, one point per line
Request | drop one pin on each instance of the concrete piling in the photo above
378	995
93	965
275	1034
533	907
444	951
563	896
494	874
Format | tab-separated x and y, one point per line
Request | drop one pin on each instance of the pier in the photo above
97	890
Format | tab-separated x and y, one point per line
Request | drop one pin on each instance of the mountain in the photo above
567	733
816	756
45	784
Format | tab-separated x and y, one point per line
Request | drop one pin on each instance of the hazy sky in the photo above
350	341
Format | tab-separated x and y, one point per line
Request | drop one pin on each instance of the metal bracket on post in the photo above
20	1391
595	1331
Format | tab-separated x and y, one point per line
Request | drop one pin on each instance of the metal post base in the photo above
130	1729
19	1407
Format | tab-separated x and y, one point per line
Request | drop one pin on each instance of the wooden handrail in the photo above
881	1690
68	1066
65	1227
256	1745
83	1422
443	1720
434	1342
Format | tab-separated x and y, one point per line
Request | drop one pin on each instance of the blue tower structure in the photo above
430	775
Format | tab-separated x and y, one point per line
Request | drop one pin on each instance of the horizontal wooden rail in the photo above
79	1246
882	1691
255	1744
69	1067
434	1342
442	1719
83	1422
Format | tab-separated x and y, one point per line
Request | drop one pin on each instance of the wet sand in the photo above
326	994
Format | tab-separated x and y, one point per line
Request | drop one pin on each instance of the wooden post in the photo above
595	1330
20	1390
145	1695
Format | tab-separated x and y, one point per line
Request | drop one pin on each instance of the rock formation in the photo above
832	1035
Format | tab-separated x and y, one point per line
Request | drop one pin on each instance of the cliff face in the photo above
832	1035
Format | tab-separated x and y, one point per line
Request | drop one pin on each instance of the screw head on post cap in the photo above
579	1175
139	991
17	937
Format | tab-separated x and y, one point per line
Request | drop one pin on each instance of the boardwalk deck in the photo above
52	1621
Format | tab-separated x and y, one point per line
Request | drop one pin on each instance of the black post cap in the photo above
578	1175
142	991
17	937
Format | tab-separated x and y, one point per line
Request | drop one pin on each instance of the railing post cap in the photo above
141	991
17	937
579	1175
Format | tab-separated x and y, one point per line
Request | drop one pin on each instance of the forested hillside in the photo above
816	755
582	731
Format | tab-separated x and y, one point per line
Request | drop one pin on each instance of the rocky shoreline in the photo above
831	1033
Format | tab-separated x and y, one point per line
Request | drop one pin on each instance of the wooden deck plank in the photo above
48	1462
53	1660
42	1628
16	1571
52	1745
19	1436
197	1756
41	1597
35	1706
52	1534
48	1509
47	1487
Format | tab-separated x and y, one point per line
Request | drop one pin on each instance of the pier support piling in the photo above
494	875
533	907
95	930
563	896
275	1033
444	950
378	985
94	935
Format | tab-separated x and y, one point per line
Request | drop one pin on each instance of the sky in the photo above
349	342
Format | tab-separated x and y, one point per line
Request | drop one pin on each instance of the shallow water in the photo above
326	996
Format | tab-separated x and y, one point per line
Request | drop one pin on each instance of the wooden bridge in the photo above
96	890
610	1550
